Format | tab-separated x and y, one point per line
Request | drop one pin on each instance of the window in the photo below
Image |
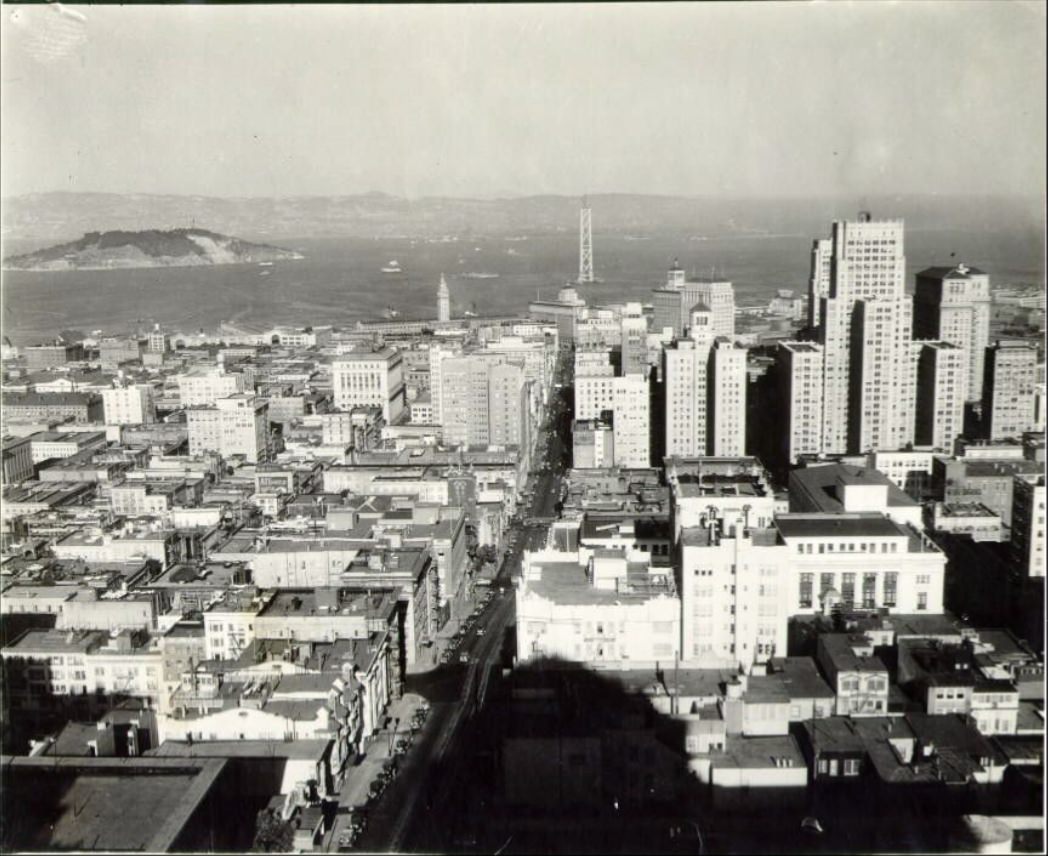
922	601
891	586
869	590
848	589
825	584
807	582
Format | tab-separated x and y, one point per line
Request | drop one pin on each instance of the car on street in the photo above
464	657
480	631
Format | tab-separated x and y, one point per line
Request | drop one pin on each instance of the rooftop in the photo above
756	753
865	524
567	583
958	272
294	749
306	603
819	485
132	803
841	650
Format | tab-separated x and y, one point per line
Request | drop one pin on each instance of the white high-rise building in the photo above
1009	405
727	396
799	368
705	386
672	304
437	355
733	596
631	428
942	377
1028	524
129	405
719	297
819	280
883	381
953	305
634	340
598	391
484	400
203	387
869	371
685	370
370	378
443	301
236	425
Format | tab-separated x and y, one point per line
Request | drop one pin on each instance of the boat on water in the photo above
392	267
480	276
391	312
265	264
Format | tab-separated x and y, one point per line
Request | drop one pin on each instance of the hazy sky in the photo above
698	99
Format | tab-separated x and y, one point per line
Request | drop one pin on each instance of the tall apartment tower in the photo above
952	304
865	330
727	396
443	301
705	392
672	304
634	340
1028	527
599	393
719	296
799	374
1009	389
942	376
685	374
819	281
484	400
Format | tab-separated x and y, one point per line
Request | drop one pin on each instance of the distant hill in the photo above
34	219
151	248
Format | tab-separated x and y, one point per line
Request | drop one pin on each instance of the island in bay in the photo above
147	249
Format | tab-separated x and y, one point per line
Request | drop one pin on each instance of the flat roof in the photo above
819	484
849	525
55	642
102	804
305	603
292	749
567	583
756	753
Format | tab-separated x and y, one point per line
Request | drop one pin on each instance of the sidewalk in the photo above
357	784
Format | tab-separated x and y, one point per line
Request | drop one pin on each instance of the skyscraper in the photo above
443	301
719	296
727	397
483	400
1009	383
634	340
599	393
952	304
799	376
865	331
705	392
819	281
672	304
942	376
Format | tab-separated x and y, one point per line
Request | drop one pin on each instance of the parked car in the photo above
463	657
